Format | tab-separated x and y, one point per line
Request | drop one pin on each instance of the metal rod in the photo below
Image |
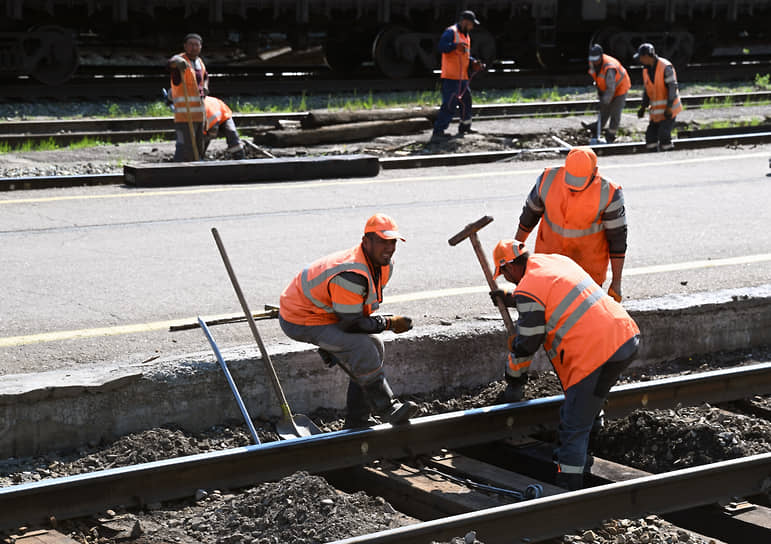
229	378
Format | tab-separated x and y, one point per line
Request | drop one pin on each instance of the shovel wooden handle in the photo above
270	370
189	117
491	281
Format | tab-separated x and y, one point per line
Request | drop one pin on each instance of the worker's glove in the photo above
515	389
510	341
399	324
498	294
615	294
477	66
329	359
641	112
179	63
668	112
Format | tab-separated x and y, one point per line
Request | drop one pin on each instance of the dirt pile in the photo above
651	530
664	440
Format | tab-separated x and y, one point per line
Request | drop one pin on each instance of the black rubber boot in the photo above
571	482
610	137
383	403
439	136
357	410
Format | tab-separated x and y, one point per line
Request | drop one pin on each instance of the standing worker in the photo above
589	339
661	95
583	217
455	46
330	303
219	118
612	83
189	86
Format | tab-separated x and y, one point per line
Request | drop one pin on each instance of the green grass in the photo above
763	81
50	145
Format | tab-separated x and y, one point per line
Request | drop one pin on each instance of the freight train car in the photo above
42	37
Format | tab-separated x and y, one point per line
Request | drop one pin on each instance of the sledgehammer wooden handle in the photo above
470	232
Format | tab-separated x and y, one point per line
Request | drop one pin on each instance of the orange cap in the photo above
505	252
383	226
580	167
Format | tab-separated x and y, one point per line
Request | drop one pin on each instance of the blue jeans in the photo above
451	90
361	353
583	402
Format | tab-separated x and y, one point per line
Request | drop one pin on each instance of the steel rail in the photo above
549	517
14	132
84	494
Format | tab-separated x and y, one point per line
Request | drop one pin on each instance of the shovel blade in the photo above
300	425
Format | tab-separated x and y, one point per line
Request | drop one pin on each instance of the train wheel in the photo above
50	54
392	55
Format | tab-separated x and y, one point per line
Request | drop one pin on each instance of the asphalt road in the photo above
84	258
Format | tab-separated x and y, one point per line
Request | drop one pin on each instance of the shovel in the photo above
229	378
289	426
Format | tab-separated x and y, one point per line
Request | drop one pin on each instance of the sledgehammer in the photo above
470	232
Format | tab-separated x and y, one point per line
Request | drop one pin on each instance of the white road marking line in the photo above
13	341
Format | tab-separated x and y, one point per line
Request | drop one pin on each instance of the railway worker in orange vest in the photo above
189	85
457	62
612	83
219	118
330	304
589	339
581	215
661	95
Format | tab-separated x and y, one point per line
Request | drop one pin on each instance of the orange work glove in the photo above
399	324
668	112
510	341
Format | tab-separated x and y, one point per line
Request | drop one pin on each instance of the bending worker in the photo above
219	118
589	339
330	303
189	85
612	83
583	217
455	46
661	95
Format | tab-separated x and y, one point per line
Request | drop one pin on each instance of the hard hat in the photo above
580	167
595	53
384	226
645	49
506	251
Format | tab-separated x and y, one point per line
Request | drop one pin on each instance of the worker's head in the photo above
595	56
510	258
467	21
646	54
580	168
379	241
192	45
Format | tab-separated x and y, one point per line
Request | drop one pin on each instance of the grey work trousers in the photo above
362	353
583	402
229	131
659	133
612	112
184	149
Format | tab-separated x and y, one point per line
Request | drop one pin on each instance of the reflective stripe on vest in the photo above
595	295
623	82
455	64
307	284
575	233
518	365
657	91
191	106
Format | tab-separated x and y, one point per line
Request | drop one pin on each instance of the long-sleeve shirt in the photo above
613	219
669	79
447	42
353	319
610	87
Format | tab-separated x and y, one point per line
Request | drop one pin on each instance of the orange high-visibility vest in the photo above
572	221
455	63
584	326
181	105
623	82
657	92
217	112
307	299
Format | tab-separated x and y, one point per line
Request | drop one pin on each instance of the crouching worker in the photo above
589	339
330	303
219	122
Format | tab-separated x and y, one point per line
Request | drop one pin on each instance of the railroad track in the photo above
64	132
464	487
232	82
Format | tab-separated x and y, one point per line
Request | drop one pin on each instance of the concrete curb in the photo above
68	408
249	171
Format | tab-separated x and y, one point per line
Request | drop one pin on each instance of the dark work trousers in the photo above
583	402
452	89
612	112
184	149
659	134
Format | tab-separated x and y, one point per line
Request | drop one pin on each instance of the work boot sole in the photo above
403	413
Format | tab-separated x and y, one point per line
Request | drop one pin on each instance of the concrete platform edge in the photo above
68	408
